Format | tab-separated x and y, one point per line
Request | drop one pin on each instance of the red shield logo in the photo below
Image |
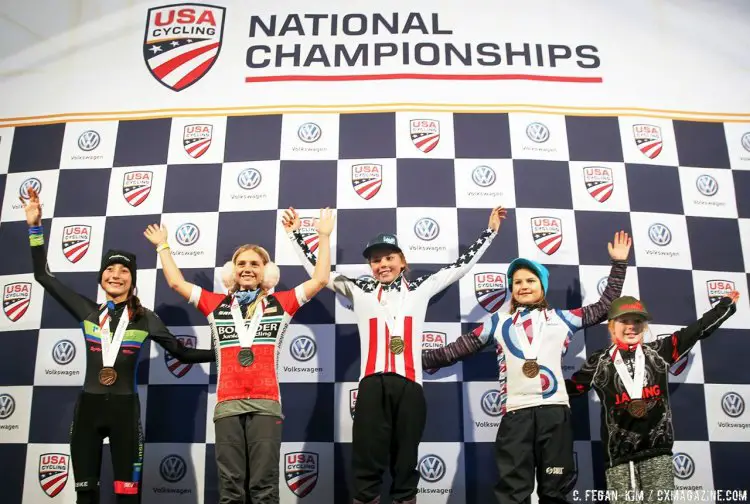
136	186
177	368
16	299
717	289
196	138
352	401
75	242
490	290
309	233
53	472
648	139
599	182
301	472
425	133
548	233
182	42
432	340
367	179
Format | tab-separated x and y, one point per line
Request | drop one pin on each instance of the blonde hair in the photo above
266	258
613	338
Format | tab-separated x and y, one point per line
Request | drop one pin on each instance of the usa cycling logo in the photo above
174	366
537	132
431	468
733	404
683	466
187	234
746	141
172	468
707	185
303	348
660	234
7	406
301	472
64	352
89	140
309	132
249	179
427	229
29	183
483	176
492	403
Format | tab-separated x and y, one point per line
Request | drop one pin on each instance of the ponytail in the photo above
135	309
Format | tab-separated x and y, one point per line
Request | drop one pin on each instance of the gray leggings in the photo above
653	478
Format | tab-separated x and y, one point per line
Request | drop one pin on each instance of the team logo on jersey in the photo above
599	182
89	140
659	234
352	401
492	403
683	466
367	179
490	290
733	404
717	289
76	240
707	185
431	468
432	340
53	472
677	368
7	406
648	139
16	299
425	133
182	42
136	186
309	233
177	368
301	472
29	183
64	352
547	233
196	139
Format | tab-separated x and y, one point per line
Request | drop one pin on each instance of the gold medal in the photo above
530	368
107	376
637	408
397	345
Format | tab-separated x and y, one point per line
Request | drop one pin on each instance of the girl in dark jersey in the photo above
108	405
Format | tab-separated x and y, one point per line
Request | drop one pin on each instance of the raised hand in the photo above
620	249
325	223
33	208
734	296
156	234
291	220
496	218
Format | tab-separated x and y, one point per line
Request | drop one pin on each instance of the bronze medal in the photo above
107	376
530	368
637	408
246	357
397	345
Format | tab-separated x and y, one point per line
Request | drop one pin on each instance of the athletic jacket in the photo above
626	438
367	294
502	330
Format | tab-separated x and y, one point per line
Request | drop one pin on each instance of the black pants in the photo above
535	442
107	415
247	458
389	420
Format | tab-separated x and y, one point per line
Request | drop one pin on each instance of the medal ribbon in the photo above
111	346
633	385
245	334
530	350
394	322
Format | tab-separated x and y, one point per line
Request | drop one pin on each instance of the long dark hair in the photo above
135	309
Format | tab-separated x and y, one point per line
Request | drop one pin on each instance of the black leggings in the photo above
107	415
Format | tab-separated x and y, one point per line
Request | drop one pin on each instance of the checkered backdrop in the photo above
682	189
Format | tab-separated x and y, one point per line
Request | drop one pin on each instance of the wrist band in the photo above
35	230
163	246
36	240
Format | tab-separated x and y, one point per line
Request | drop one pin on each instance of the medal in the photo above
633	385
246	357
107	376
397	345
530	368
637	408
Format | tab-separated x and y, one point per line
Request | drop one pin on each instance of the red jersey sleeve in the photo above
206	301
291	300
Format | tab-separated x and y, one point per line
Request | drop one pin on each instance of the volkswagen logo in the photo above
432	468
426	229
89	140
733	404
537	132
746	141
173	468
187	234
309	132
660	234
683	466
707	185
491	403
7	406
64	352
29	183
303	348
249	178
602	285
483	176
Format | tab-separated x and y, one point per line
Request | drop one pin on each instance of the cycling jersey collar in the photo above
394	284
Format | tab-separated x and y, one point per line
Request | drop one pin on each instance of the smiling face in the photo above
248	269
527	289
386	264
627	329
116	281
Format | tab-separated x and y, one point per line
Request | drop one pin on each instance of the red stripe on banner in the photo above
165	68
372	352
416	76
408	349
194	74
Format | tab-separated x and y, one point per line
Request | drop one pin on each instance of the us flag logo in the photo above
648	139
309	233
717	289
301	472
490	290
16	300
599	182
196	139
177	368
182	42
53	472
548	233
75	242
367	179
425	133
136	186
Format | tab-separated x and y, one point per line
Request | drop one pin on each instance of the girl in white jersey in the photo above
535	438
390	413
247	327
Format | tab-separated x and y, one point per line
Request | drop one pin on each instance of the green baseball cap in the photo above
627	305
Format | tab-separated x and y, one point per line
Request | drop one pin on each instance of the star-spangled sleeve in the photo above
466	345
445	276
594	313
337	282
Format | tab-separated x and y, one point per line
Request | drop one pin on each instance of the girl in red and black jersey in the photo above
247	326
